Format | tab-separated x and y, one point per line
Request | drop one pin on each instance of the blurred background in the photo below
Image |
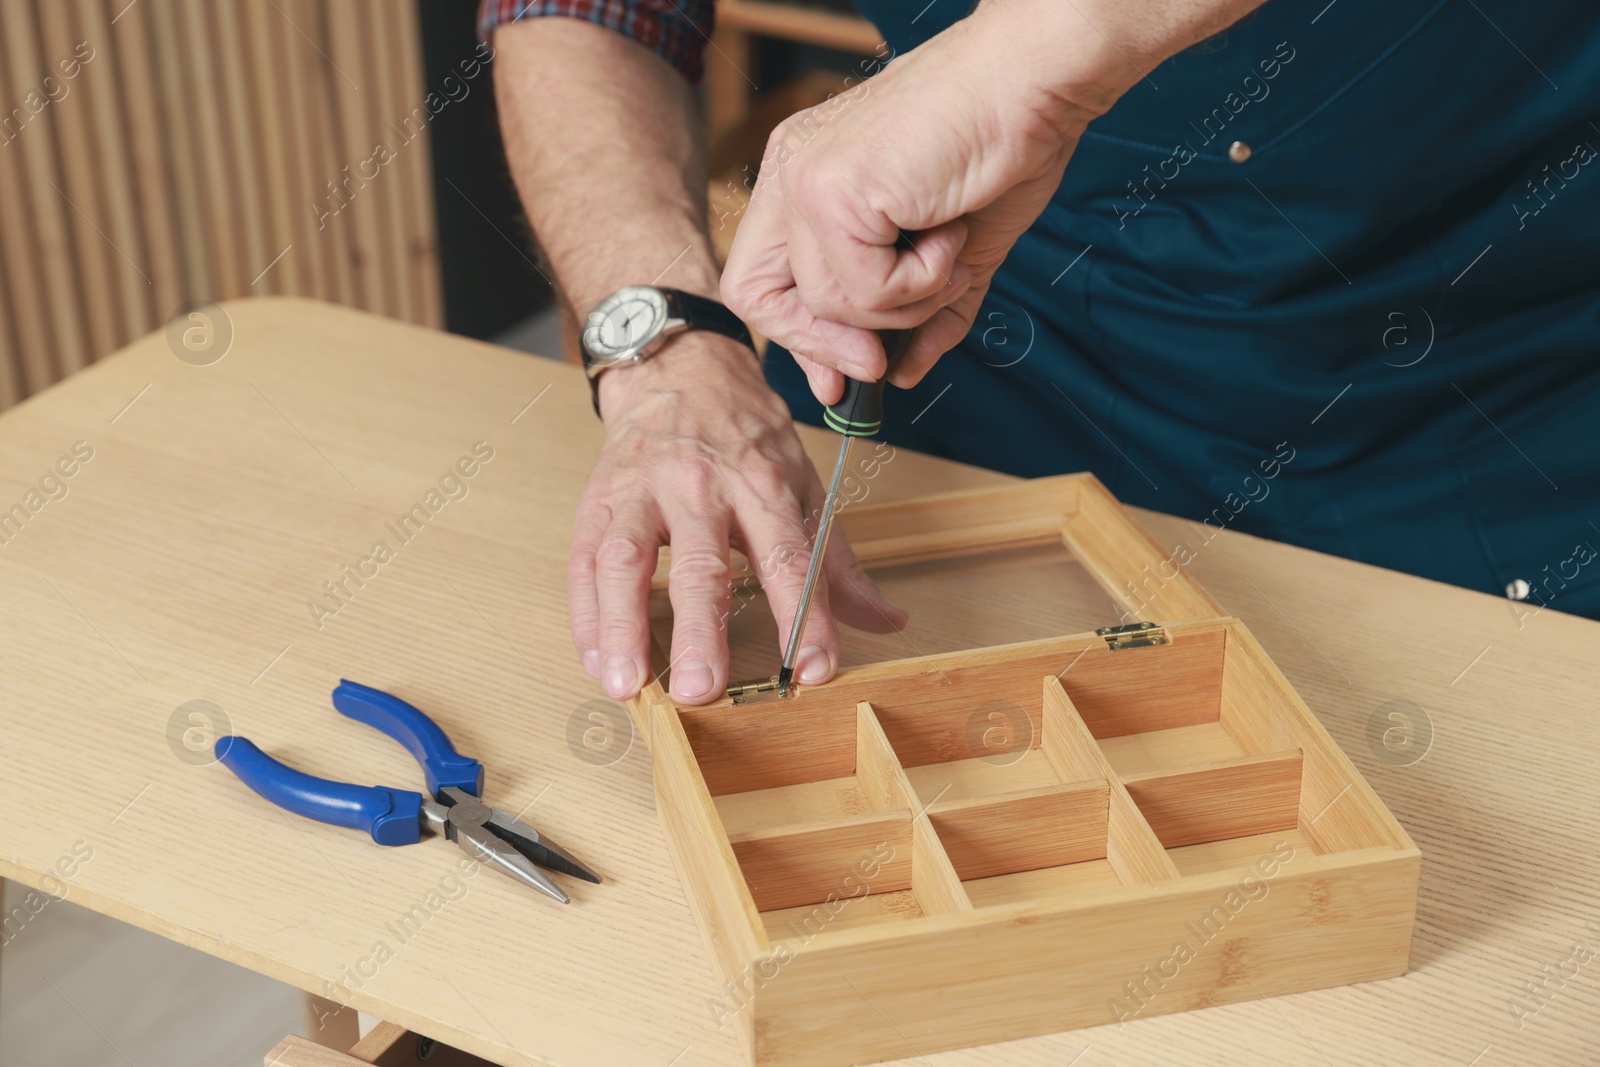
156	152
159	152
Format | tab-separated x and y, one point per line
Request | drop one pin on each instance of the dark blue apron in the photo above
1378	335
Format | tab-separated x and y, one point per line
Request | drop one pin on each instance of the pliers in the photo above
398	816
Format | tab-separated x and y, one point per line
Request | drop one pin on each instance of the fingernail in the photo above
855	370
622	676
891	601
691	678
591	663
815	665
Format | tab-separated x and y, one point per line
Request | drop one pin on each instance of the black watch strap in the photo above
698	313
702	313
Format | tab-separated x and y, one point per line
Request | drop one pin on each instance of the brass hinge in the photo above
1133	635
757	692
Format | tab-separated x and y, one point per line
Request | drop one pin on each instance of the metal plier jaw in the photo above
503	841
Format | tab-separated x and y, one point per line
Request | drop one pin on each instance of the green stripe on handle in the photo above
859	412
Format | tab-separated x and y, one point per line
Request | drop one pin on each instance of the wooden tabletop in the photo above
177	564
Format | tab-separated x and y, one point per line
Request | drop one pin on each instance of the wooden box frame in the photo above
984	845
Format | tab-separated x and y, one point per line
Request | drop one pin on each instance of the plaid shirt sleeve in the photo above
676	30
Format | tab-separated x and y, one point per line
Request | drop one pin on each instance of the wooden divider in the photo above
191	150
1132	848
934	880
1216	801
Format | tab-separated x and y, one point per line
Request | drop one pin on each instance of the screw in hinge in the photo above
758	692
1134	635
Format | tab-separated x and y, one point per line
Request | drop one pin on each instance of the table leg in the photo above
330	1023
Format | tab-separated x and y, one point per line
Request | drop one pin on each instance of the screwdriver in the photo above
859	413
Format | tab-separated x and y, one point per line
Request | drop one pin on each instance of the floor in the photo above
80	990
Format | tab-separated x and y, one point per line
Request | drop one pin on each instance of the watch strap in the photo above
701	313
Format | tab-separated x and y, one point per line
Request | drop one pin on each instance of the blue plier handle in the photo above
391	816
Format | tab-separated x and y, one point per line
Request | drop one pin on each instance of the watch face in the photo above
625	321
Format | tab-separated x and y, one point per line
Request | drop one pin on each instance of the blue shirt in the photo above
1377	336
1331	277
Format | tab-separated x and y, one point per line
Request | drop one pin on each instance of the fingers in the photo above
583	610
700	591
859	275
845	350
780	551
864	277
624	560
758	286
827	384
855	598
935	337
819	282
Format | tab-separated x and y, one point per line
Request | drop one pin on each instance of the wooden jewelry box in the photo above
958	846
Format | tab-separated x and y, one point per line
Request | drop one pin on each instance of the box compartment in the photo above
1029	844
826	830
1156	708
1220	753
1214	801
795	865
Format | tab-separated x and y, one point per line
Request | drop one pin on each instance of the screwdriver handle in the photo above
859	412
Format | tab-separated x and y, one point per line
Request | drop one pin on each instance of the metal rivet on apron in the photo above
1518	589
1238	151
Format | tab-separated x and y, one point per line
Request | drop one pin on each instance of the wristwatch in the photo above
632	323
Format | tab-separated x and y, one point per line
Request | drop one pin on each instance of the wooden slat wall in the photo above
185	154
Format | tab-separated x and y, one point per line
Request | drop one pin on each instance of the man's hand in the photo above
962	142
606	148
701	454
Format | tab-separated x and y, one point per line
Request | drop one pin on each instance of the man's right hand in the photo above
700	454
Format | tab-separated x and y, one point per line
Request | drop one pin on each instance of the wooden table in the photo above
179	564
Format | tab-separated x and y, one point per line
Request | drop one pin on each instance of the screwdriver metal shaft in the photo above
819	549
859	413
